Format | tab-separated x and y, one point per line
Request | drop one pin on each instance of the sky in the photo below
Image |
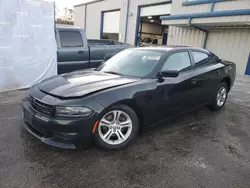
61	4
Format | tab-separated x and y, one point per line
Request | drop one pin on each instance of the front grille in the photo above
41	107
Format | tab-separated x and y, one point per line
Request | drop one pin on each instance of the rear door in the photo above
177	93
206	76
73	52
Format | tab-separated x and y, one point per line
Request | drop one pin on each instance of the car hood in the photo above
82	83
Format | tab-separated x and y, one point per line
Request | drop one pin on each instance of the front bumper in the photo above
68	133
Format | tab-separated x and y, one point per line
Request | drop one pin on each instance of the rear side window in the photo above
71	39
178	61
201	59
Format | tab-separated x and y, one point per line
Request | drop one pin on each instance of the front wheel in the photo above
117	128
220	98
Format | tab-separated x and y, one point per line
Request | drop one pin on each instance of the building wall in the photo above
79	16
94	16
229	44
93	21
186	37
232	5
177	7
232	45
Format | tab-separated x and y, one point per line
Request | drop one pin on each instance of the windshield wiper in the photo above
112	72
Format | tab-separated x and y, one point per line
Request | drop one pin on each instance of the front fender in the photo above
135	92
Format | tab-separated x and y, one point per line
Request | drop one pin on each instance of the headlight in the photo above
72	111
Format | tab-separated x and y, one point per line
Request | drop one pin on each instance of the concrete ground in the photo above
199	149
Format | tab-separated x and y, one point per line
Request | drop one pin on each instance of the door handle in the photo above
193	81
218	71
80	52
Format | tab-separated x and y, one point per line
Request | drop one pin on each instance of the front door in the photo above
177	94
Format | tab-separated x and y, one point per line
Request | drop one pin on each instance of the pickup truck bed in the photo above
75	52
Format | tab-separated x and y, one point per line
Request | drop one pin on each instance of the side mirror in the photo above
169	73
107	57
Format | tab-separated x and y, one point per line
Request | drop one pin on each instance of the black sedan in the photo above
133	90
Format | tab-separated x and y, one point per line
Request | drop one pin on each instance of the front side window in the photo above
139	63
71	39
178	62
201	59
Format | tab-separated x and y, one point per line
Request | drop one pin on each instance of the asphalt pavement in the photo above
198	149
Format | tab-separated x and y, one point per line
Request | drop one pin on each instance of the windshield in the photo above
147	40
137	63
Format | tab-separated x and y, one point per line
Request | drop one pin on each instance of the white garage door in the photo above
111	22
156	10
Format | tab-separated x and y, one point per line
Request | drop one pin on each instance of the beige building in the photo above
222	26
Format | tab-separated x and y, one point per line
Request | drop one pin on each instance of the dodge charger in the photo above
131	91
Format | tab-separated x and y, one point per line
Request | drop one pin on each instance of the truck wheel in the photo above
117	128
220	97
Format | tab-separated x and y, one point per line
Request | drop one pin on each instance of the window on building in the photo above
201	59
178	62
71	39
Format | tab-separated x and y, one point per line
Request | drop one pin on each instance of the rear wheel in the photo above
220	98
117	128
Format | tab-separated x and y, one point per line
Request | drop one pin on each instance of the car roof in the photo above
169	48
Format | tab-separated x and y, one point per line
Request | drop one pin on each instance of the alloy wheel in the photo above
221	96
115	127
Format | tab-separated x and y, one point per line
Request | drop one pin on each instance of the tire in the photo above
215	105
127	124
